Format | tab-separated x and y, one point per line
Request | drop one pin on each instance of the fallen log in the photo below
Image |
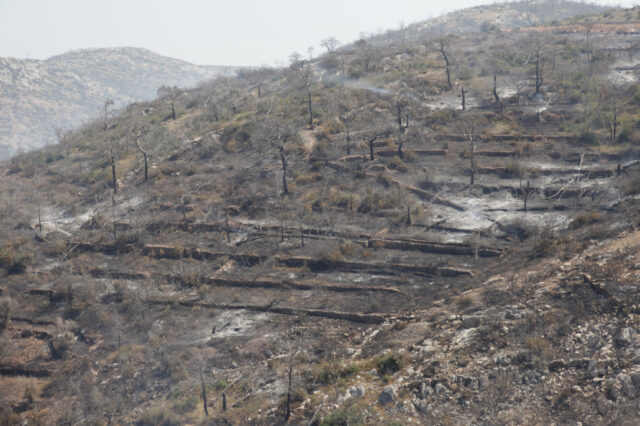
346	316
351	266
15	370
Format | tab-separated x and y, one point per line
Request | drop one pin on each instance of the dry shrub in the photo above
6	307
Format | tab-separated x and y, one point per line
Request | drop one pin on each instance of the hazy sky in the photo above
213	32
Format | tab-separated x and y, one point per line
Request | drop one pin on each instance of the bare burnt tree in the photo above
540	43
364	49
295	340
376	129
472	149
441	46
112	159
137	132
526	191
107	103
611	119
169	93
401	111
278	132
306	73
303	73
495	89
464	103
330	43
348	118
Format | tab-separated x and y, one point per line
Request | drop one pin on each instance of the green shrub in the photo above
587	137
12	262
388	364
397	164
585	219
330	372
343	416
185	406
6	305
158	416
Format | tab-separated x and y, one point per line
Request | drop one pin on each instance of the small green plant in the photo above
465	301
184	406
585	219
343	416
158	416
12	262
388	364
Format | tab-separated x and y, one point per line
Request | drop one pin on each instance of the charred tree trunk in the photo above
447	65
495	89
39	220
539	70
146	164
615	119
146	167
473	159
283	158
310	108
287	413
113	217
371	156
348	141
464	104
173	111
224	401
113	174
204	394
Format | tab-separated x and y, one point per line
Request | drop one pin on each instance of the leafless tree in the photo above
472	148
107	103
365	50
303	72
442	48
377	128
170	93
277	132
330	43
539	46
348	118
136	133
112	158
464	104
295	341
401	106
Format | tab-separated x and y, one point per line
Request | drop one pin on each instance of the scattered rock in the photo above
387	395
624	338
356	391
463	338
440	389
425	390
421	406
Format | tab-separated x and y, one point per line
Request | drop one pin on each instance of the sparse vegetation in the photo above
304	243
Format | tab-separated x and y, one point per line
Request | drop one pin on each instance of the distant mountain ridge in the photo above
504	16
67	90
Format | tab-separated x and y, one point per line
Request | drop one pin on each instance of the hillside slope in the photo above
373	236
500	15
68	90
